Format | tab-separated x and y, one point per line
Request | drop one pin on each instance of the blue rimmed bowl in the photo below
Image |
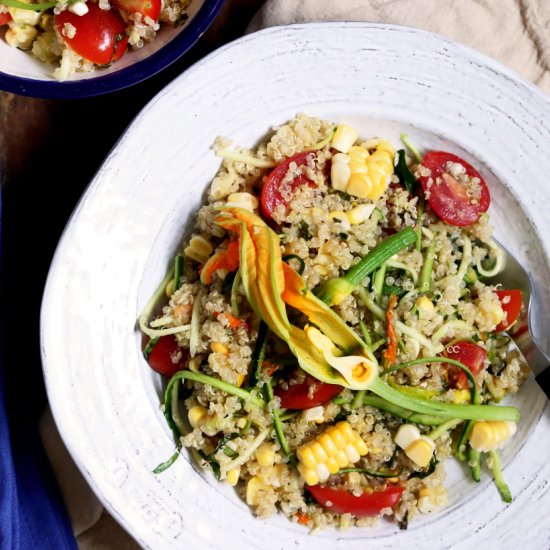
23	74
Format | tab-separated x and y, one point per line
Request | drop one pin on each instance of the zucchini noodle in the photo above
499	261
243	457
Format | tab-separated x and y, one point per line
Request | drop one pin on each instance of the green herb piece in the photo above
165	465
419	220
372	473
388	290
405	176
303	230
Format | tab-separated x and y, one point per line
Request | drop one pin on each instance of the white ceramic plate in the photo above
123	235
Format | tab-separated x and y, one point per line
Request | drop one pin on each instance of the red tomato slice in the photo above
310	393
5	18
511	302
100	34
367	504
456	203
271	191
160	358
147	8
468	353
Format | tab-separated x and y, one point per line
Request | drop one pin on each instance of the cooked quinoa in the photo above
217	331
46	36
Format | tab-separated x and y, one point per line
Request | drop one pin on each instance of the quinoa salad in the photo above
83	35
326	335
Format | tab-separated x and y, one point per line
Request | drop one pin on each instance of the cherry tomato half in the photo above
161	357
5	18
468	353
511	301
100	34
310	393
455	202
367	504
271	191
147	8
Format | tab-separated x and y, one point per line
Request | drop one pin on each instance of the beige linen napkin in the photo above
512	31
516	32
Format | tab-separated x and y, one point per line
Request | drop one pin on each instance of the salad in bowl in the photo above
326	335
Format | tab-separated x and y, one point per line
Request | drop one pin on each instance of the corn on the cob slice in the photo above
488	435
337	447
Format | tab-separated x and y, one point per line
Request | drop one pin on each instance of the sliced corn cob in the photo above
199	249
337	447
363	174
417	447
488	435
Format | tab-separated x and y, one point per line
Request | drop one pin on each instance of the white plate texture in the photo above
125	231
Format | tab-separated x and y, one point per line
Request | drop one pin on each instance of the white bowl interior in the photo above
126	230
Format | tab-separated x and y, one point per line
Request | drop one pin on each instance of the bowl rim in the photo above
135	73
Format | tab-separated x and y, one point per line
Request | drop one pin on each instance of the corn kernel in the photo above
318	452
218	347
358	153
344	137
253	489
194	364
310	476
358	167
265	454
232	477
493	311
337	437
347	431
406	434
328	444
240	380
461	397
197	415
341	157
342	458
359	185
305	455
314	414
421	451
322	472
339	175
425	307
332	465
360	445
341	218
352	453
360	213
